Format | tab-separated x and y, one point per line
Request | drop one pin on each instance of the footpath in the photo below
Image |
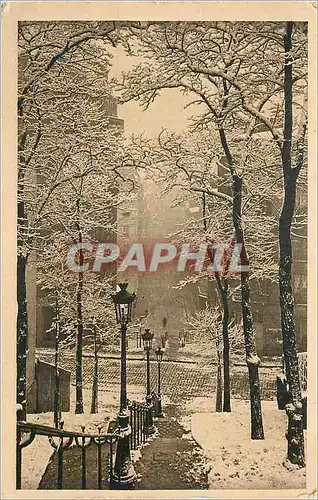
170	461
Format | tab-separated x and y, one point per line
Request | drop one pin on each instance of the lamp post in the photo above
124	474
147	338
159	355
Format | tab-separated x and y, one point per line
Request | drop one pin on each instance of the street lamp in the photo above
124	474
159	355
147	338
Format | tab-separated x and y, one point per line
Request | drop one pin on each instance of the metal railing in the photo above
138	420
61	440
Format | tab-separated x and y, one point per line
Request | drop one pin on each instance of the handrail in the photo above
27	431
43	430
61	439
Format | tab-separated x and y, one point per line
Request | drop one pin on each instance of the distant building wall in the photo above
45	311
45	387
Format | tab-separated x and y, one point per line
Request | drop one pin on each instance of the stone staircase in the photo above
169	461
173	460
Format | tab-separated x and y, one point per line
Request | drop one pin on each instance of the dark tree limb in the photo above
223	287
79	405
252	359
295	435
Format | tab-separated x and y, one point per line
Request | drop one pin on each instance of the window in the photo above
48	316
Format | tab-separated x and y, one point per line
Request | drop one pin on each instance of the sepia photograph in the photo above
161	206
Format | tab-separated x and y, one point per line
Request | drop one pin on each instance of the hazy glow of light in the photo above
166	112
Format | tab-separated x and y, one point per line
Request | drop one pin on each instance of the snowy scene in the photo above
162	255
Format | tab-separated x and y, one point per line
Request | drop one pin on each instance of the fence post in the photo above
60	465
144	428
83	460
18	460
131	424
138	425
111	465
57	390
60	460
134	427
99	461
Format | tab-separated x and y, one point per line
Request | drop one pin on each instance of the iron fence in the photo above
61	440
138	420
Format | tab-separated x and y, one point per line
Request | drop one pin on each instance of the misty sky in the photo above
167	111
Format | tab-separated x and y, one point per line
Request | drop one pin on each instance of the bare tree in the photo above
291	164
206	327
81	209
63	68
191	164
248	75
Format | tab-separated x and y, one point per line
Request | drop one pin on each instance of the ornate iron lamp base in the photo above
149	430
124	476
159	413
150	427
127	483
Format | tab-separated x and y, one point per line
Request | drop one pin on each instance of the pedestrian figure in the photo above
181	338
164	338
164	322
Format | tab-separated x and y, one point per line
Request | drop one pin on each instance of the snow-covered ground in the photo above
108	403
235	461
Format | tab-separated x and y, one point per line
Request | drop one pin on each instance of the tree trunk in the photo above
225	383
252	358
57	394
22	330
295	435
218	404
94	405
22	315
224	299
22	258
79	405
